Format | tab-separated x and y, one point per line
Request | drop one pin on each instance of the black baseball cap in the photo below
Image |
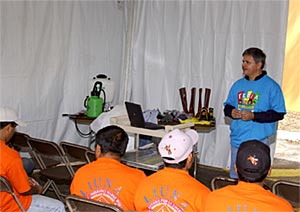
253	160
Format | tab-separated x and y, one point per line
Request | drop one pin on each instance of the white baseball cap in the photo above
10	115
176	145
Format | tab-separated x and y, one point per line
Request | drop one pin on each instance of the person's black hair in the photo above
251	180
258	55
4	124
112	139
179	165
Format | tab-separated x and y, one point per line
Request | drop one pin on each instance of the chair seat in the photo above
48	162
57	173
288	190
76	167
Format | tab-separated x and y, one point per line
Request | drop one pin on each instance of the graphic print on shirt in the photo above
247	100
165	199
240	208
103	190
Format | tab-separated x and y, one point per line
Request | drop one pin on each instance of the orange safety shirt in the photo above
170	189
11	167
109	181
246	197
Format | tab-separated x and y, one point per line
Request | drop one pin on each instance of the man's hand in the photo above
247	115
236	114
35	186
32	182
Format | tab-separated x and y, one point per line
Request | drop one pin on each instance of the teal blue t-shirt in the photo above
256	96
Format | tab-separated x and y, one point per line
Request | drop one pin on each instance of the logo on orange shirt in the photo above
162	204
165	199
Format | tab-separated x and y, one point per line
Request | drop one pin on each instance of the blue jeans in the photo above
234	151
144	140
28	165
43	203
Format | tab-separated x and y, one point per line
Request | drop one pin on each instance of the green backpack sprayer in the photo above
95	103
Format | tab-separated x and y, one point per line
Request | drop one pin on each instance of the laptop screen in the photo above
135	114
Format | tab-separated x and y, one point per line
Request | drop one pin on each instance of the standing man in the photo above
172	188
107	179
255	103
11	167
253	165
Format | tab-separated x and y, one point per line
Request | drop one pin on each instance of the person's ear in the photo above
189	161
270	170
9	129
259	65
98	151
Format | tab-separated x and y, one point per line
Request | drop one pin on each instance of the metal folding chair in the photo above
60	174
5	186
20	141
90	156
75	153
219	182
77	204
287	190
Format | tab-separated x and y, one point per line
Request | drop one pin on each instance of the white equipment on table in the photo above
108	86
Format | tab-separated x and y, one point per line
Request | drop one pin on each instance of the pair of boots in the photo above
202	111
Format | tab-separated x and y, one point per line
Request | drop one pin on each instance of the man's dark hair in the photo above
257	54
112	139
4	124
179	165
251	180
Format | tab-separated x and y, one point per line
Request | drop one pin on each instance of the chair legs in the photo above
52	184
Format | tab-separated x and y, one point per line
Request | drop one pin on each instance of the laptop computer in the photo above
136	117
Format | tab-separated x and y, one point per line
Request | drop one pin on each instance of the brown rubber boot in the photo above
207	96
182	93
198	115
192	102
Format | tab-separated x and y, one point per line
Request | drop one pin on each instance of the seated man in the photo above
253	164
107	179
172	188
11	167
28	163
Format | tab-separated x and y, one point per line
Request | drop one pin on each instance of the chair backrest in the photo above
45	150
287	190
219	182
20	140
5	186
90	156
73	151
77	204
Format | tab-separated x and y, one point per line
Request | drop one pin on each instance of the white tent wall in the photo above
49	52
199	44
50	49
